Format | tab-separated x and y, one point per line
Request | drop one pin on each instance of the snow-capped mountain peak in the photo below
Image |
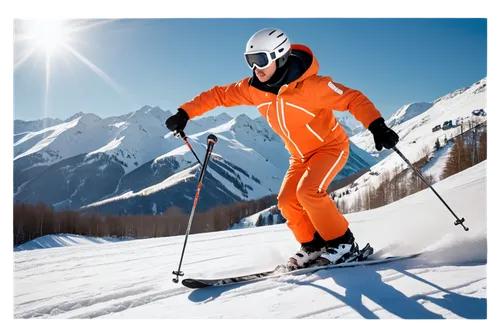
22	126
223	117
408	112
349	123
84	117
76	115
81	132
242	121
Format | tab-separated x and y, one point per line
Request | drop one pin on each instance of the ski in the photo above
360	260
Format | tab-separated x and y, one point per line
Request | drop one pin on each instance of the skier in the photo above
297	103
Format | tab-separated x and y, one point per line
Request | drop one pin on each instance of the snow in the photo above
140	136
28	144
249	147
181	176
436	165
182	155
239	144
134	138
21	126
418	128
60	240
350	124
231	150
250	221
416	135
113	144
407	112
79	134
126	280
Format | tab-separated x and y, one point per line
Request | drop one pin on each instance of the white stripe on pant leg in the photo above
330	171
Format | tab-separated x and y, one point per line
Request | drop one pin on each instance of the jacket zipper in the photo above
278	112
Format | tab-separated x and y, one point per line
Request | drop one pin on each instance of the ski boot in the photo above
307	254
339	250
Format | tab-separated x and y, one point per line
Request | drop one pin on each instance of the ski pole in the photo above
184	138
459	220
211	141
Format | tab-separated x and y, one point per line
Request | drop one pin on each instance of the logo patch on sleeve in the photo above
335	88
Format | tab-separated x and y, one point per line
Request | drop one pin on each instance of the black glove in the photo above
383	135
178	121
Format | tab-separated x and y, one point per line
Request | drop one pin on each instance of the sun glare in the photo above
52	39
47	36
51	36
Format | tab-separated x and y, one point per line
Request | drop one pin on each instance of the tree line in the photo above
32	221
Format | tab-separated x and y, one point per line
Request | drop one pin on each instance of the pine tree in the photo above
437	145
270	219
259	222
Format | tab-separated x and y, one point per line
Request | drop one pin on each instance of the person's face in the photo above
265	74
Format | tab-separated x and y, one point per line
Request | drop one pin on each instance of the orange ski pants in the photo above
303	200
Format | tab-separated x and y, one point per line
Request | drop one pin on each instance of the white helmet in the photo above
266	46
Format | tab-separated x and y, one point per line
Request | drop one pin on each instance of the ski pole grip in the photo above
180	133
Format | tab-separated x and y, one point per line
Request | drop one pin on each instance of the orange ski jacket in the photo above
301	113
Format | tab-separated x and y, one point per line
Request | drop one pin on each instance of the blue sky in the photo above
166	62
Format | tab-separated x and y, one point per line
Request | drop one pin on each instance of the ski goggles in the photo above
259	59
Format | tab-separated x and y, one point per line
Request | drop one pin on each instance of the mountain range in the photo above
131	164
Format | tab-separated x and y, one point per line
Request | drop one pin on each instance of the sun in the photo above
53	40
49	37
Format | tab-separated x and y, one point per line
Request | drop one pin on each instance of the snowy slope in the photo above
251	144
133	138
79	134
202	124
416	135
133	279
19	128
60	240
83	159
414	122
435	167
137	137
22	126
251	221
408	112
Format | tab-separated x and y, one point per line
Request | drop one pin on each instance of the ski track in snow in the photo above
133	279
